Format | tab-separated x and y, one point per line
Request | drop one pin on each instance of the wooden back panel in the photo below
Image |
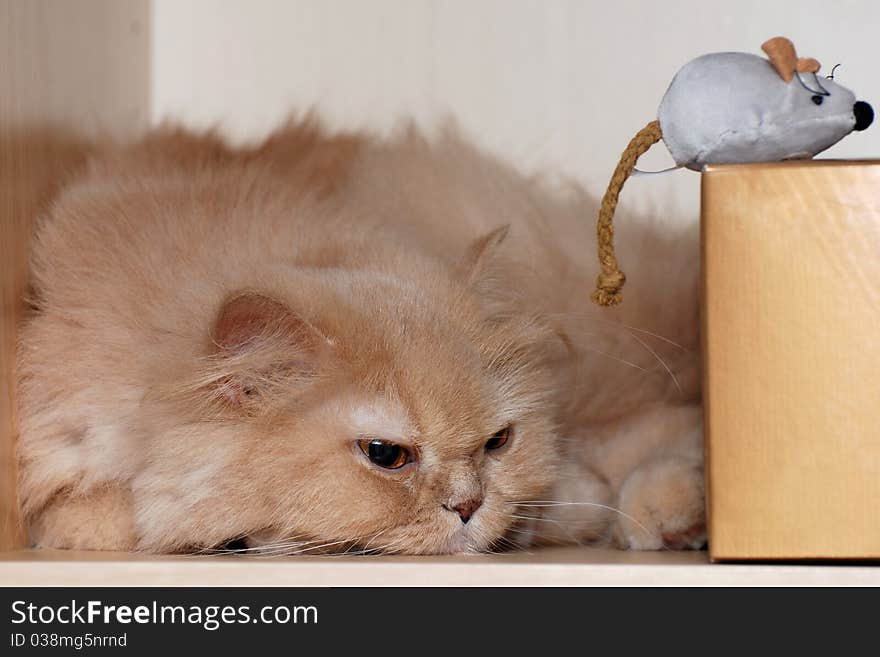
69	71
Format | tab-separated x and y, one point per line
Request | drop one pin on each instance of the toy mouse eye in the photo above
499	439
817	99
385	454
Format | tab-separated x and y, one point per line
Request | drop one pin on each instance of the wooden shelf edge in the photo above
564	567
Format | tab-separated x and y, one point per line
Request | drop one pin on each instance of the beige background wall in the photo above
549	83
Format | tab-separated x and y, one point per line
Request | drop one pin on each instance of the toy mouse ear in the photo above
807	65
781	53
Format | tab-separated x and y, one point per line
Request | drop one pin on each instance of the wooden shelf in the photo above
549	567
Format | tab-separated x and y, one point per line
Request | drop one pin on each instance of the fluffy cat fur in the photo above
215	329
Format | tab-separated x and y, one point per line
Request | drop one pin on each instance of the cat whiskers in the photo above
659	360
506	545
542	504
296	546
586	317
560	524
631	331
616	358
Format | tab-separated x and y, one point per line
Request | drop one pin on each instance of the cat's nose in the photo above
465	509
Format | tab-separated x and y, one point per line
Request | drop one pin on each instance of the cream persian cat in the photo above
345	343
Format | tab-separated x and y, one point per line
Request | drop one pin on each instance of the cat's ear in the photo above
478	257
263	348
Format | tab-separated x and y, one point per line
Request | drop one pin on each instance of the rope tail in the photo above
611	279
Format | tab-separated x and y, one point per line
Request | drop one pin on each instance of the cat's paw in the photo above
99	520
662	505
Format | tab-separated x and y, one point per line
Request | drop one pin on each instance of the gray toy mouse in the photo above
730	108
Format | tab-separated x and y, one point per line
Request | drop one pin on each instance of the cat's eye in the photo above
817	99
499	439
385	454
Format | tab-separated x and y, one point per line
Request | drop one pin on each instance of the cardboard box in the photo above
791	341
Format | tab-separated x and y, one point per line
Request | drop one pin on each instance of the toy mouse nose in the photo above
864	115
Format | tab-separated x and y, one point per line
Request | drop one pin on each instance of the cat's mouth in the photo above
459	543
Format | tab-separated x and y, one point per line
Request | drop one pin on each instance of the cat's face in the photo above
378	416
